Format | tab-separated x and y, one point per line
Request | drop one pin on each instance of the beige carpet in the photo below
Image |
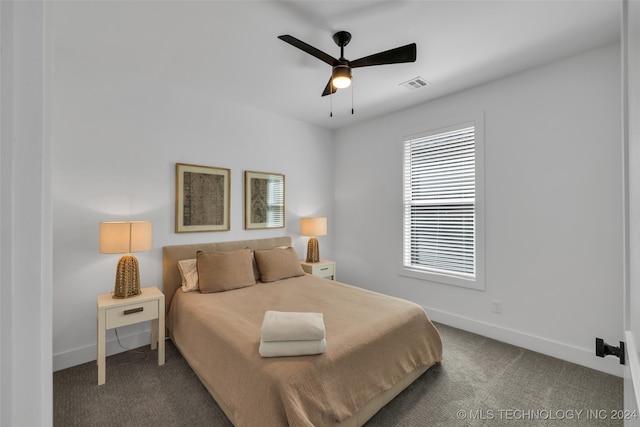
480	382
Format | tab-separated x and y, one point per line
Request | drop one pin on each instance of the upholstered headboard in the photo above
171	280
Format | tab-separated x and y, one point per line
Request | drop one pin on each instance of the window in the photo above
440	239
275	201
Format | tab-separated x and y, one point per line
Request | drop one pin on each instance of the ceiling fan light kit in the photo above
341	68
341	76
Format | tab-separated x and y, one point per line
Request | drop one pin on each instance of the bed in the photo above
376	345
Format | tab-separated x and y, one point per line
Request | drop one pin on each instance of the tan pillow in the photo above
189	274
223	271
278	263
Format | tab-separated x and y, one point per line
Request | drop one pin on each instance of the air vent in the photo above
415	83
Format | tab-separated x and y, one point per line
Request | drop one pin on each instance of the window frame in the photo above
477	282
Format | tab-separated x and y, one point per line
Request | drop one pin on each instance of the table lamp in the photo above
315	226
125	237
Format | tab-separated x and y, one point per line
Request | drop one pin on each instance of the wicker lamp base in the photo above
127	278
313	250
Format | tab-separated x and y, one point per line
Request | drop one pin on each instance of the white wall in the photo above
553	207
119	129
553	182
25	218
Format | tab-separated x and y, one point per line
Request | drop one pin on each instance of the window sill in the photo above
476	283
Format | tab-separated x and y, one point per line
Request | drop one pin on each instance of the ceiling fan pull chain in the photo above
352	96
331	101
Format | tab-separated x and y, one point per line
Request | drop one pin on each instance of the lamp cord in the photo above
123	347
118	339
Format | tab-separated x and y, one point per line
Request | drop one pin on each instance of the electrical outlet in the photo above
497	306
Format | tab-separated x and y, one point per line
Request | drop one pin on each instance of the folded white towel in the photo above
291	348
292	326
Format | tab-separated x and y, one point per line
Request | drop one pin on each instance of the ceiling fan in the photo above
341	73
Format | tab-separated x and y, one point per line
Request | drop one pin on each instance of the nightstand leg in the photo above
161	331
101	349
154	334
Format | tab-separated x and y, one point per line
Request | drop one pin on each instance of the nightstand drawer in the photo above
323	270
131	313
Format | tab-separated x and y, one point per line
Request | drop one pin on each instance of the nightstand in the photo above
323	268
113	313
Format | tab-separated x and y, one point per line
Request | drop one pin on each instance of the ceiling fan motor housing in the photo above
341	70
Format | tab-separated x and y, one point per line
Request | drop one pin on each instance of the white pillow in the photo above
189	272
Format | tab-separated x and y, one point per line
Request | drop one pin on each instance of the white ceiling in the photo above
230	49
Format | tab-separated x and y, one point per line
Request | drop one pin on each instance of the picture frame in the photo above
264	200
202	198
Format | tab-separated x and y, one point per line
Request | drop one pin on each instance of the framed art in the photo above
263	200
202	198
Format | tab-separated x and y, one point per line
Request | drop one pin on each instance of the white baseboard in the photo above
580	356
89	353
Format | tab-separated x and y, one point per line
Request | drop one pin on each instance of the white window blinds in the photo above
275	201
439	203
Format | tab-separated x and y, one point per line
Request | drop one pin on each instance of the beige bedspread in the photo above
373	341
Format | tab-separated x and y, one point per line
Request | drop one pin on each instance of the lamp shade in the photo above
122	237
313	226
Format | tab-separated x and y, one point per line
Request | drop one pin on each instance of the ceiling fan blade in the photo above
309	49
393	56
329	88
